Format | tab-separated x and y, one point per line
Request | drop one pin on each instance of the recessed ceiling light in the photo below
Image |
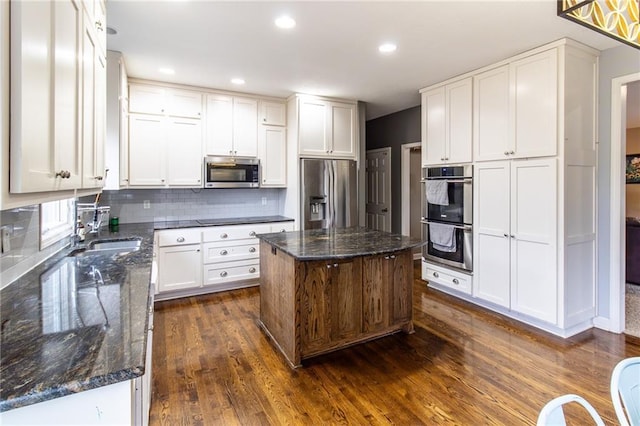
167	71
387	48
237	81
112	31
285	22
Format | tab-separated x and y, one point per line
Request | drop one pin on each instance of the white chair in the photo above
625	391
552	414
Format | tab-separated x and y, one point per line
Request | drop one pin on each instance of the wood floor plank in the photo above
463	365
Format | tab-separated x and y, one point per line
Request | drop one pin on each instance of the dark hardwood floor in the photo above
463	365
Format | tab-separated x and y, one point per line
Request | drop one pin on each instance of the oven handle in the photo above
455	180
465	228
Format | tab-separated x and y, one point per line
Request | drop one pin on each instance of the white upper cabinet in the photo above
516	109
231	126
272	151
184	152
535	111
146	150
446	123
326	128
46	142
491	103
273	113
148	99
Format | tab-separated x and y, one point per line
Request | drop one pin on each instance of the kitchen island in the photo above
322	290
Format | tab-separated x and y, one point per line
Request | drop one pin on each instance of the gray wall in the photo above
616	62
394	130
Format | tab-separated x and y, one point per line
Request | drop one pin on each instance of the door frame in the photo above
405	169
388	181
618	203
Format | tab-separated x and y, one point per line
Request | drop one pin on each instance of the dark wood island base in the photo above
313	306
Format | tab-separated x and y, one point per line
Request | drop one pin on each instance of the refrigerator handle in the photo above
331	191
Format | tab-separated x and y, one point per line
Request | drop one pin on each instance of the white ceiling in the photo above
333	49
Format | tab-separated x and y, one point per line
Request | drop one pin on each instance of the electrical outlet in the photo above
146	204
264	201
6	240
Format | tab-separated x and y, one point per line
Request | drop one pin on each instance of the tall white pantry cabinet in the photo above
534	156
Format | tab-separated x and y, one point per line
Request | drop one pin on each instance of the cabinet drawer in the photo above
282	227
452	280
236	232
178	237
218	273
225	252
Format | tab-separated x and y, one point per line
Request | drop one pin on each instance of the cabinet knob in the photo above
252	269
283	230
99	25
180	239
455	281
252	233
97	177
223	273
506	153
513	236
335	265
441	158
264	119
224	252
435	274
328	266
512	152
223	235
252	249
393	256
506	235
162	180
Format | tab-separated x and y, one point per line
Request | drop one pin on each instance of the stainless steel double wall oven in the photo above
447	216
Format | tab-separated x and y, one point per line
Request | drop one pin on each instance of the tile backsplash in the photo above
23	225
153	205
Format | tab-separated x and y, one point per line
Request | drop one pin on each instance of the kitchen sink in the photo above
120	245
107	247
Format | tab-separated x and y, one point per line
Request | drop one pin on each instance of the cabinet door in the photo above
342	130
535	111
101	119
179	268
219	131
245	127
67	36
400	283
433	127
345	284
184	103
312	127
492	233
184	152
273	113
273	156
491	115
146	150
459	117
146	99
45	96
315	305
534	238
375	294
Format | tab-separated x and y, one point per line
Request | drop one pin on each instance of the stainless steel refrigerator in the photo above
329	193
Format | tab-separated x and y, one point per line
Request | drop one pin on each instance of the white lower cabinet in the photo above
179	259
209	259
449	278
516	236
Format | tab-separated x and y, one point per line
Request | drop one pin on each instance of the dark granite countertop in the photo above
75	323
320	244
219	222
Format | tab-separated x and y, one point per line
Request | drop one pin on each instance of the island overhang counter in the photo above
324	289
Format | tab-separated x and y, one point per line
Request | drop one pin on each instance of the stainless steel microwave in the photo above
231	172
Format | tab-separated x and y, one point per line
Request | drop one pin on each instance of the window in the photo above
56	221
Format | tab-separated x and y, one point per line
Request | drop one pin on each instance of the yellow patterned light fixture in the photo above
618	19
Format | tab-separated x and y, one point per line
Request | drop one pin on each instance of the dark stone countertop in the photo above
320	244
77	323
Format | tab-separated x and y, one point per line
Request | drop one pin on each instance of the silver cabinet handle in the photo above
252	249
328	266
252	234
64	174
180	239
224	252
223	273
513	236
252	270
335	265
455	281
435	274
512	152
506	235
506	153
223	235
393	256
